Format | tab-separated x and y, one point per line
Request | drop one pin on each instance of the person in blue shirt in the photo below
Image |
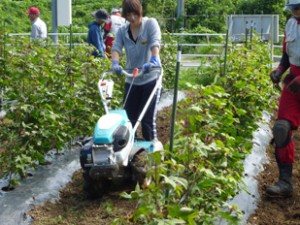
95	35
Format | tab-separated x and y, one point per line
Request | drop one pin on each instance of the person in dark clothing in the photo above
288	118
95	35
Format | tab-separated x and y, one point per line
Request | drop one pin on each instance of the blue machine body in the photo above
107	125
147	145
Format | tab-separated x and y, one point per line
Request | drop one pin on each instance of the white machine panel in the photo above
265	26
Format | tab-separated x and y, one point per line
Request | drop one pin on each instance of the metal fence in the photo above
190	51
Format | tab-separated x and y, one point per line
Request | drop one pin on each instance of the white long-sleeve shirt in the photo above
38	29
292	41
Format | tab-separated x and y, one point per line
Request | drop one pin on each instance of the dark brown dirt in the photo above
73	207
278	211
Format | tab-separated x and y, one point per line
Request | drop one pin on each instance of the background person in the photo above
38	28
141	39
288	118
111	28
95	34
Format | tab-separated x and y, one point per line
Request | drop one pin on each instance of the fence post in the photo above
174	107
54	21
225	56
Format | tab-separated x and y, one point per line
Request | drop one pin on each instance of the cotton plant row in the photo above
213	136
56	98
55	101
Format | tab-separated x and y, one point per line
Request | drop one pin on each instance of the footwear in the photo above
284	187
281	189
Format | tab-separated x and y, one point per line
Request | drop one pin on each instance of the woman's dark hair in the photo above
132	6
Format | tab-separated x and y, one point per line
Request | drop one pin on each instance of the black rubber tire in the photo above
139	167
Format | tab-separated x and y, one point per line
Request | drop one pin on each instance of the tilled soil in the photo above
74	208
278	211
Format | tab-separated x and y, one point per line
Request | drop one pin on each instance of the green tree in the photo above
209	13
265	7
163	10
261	6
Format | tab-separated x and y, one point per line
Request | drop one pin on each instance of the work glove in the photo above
116	68
294	85
154	61
275	75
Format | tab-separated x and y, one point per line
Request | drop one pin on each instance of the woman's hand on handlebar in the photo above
154	62
116	68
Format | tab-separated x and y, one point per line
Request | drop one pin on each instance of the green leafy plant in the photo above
56	100
56	97
213	136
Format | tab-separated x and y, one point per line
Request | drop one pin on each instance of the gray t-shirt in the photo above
139	53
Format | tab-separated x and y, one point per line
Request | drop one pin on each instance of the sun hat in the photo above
292	4
115	10
33	10
101	15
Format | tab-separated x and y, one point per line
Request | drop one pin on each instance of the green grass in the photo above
196	76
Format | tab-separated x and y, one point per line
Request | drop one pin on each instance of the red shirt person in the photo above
288	118
111	29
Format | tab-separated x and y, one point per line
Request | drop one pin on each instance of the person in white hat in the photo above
111	28
288	118
95	35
